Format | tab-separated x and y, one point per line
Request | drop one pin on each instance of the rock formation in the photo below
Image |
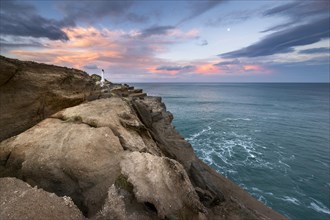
116	157
30	92
20	201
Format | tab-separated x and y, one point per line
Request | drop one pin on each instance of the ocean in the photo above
272	139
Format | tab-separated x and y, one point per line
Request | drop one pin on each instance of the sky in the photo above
173	41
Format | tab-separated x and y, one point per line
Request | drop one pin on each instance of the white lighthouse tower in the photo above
102	79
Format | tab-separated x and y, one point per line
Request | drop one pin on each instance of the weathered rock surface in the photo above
30	92
156	180
119	157
18	200
66	158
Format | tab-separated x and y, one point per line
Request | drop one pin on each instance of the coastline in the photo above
139	130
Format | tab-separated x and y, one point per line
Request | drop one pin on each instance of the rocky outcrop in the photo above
18	200
119	157
30	92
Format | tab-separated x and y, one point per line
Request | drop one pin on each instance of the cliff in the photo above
101	153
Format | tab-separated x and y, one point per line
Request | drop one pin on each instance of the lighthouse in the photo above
102	79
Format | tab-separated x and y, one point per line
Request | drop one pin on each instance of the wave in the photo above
237	119
193	136
291	200
232	150
319	207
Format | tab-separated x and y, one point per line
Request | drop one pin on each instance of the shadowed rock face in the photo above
30	92
120	158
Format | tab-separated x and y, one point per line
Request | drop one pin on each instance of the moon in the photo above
228	29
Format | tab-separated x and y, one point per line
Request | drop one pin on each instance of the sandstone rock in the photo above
18	200
132	90
154	115
77	152
117	114
138	95
30	92
122	205
66	158
162	182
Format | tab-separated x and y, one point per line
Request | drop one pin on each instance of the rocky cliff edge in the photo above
101	153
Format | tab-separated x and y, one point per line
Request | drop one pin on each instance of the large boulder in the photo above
151	187
30	92
162	182
66	158
18	200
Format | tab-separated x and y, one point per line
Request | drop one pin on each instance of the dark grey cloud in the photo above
175	68
156	30
297	10
21	19
91	66
132	17
280	26
198	8
19	45
231	62
315	50
92	11
284	41
300	8
282	9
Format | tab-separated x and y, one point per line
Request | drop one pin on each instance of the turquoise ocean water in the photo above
271	139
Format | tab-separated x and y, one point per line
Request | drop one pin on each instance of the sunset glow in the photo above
142	41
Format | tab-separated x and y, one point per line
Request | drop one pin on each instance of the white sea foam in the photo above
194	136
256	189
291	200
232	150
281	162
323	163
237	119
319	207
262	199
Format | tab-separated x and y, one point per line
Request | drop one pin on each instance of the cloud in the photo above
110	49
91	66
197	68
297	10
208	68
169	34
92	11
280	26
203	43
282	9
232	17
19	42
300	9
156	30
284	41
175	68
198	8
21	19
132	17
315	50
224	63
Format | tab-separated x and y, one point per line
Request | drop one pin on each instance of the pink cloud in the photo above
208	68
